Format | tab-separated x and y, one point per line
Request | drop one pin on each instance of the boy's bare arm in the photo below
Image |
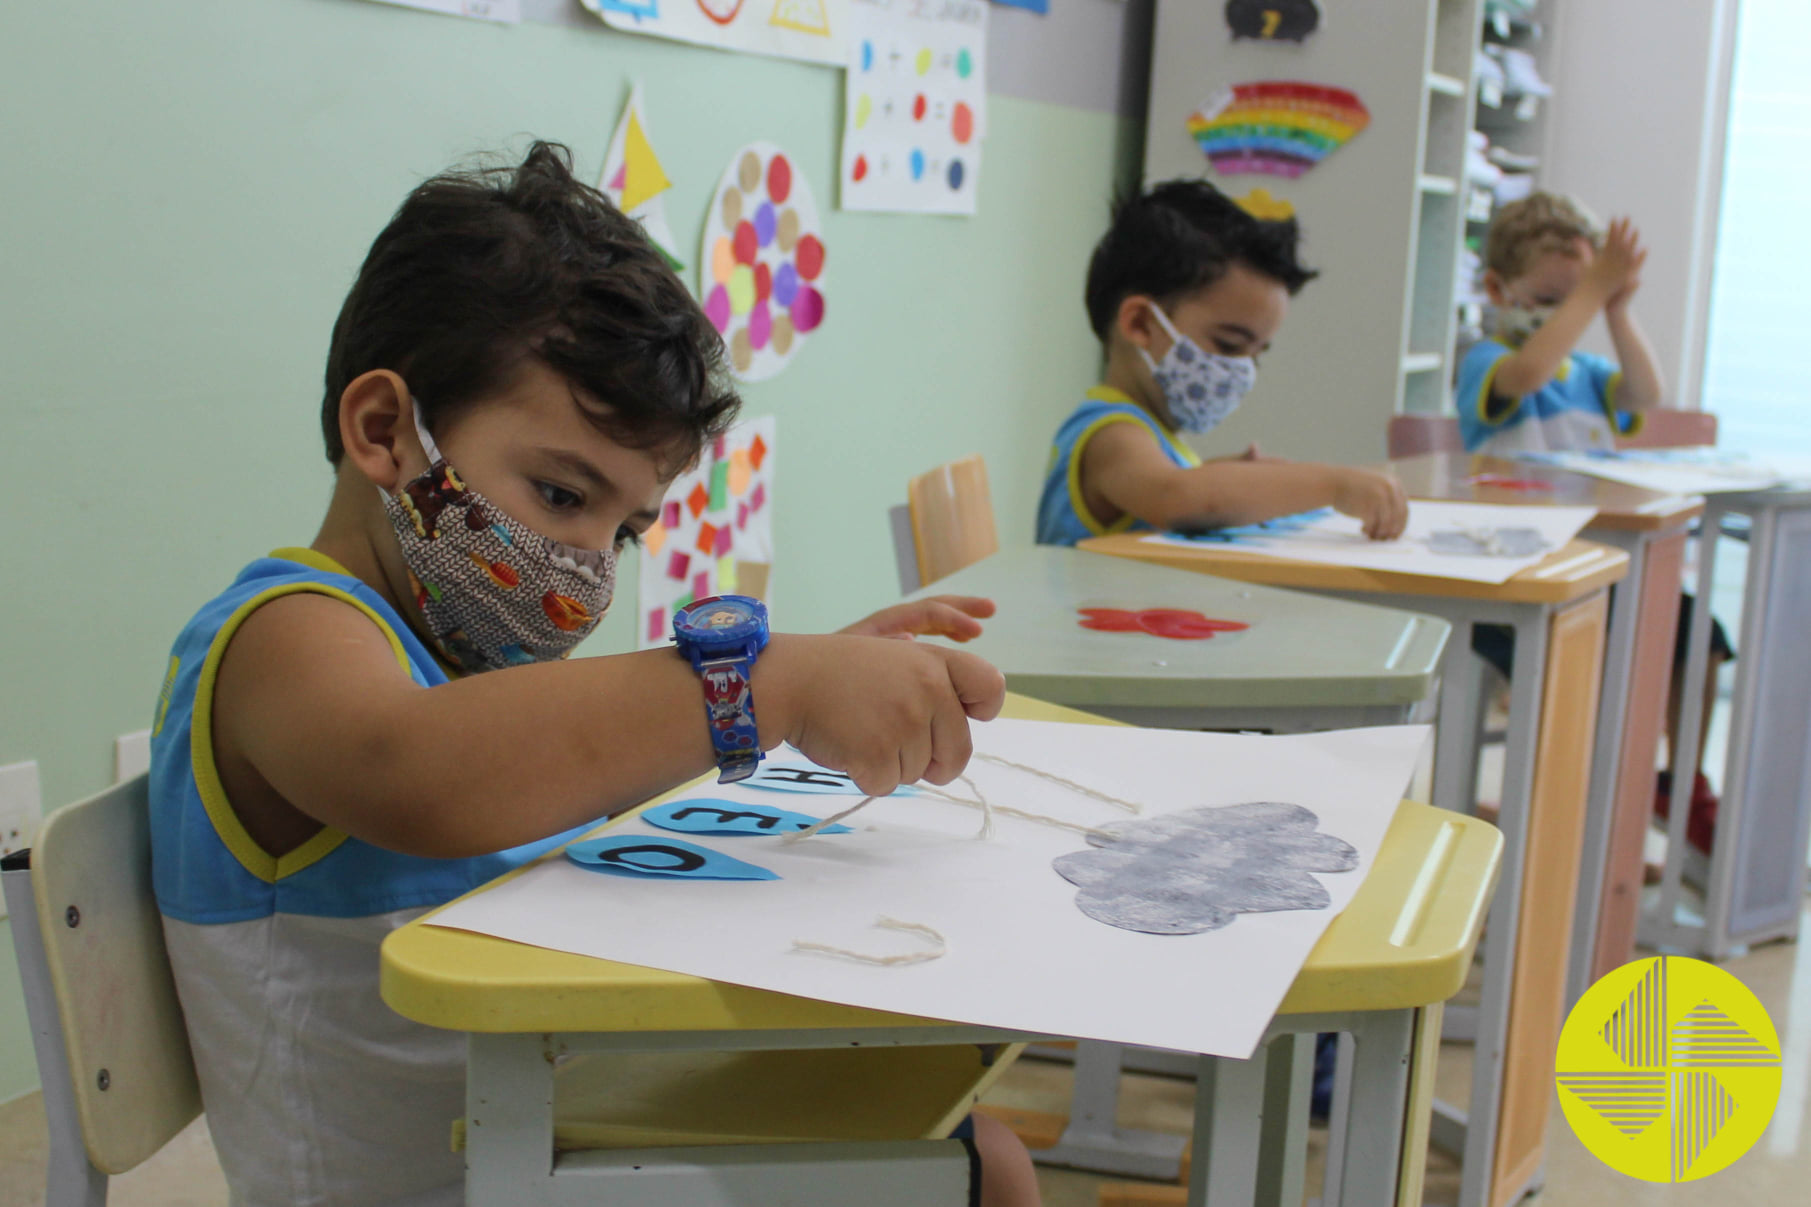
311	698
1614	271
1642	384
1124	463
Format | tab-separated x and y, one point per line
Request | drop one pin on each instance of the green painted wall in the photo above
188	191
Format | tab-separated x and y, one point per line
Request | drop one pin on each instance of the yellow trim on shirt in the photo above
1082	513
314	559
1486	412
252	857
1109	394
1637	419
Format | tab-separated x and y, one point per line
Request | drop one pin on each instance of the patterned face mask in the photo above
1514	324
1201	388
494	592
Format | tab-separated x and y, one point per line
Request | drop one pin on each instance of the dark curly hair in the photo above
484	267
1177	237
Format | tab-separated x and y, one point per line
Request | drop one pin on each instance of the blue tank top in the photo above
1063	516
205	867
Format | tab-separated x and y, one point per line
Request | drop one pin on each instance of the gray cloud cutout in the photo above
1198	869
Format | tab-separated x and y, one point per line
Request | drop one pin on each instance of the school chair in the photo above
947	523
1415	435
106	1025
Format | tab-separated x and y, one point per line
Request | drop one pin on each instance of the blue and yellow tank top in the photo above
1063	516
205	867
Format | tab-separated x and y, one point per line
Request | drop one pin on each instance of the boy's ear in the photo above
377	428
1493	287
1133	322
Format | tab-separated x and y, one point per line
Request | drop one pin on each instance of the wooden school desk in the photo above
1379	972
1638	665
1558	609
1306	663
1755	883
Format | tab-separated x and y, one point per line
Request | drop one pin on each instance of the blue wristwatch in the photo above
722	635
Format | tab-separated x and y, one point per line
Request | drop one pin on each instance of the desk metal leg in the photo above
1223	1171
508	1117
1758	859
1606	760
1461	711
1375	1129
1093	1139
1288	1091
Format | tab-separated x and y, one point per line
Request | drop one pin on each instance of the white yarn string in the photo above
808	831
885	923
1132	807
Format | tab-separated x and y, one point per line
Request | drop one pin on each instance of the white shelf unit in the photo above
1382	216
1508	126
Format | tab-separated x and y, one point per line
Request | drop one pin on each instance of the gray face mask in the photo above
1514	324
1200	388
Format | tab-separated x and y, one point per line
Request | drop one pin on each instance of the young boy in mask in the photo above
356	731
1185	291
1549	273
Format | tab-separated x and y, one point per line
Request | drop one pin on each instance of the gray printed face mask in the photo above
1200	388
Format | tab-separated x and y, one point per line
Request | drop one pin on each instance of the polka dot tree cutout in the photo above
763	261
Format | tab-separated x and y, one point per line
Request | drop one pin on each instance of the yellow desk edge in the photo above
1406	940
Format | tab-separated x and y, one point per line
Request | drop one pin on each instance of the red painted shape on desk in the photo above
1505	483
1178	624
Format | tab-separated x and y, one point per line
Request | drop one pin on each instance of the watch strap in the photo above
729	708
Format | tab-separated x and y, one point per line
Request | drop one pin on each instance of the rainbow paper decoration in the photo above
1276	127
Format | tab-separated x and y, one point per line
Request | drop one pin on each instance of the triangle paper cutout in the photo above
643	176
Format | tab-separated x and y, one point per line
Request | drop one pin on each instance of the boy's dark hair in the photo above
1177	237
483	268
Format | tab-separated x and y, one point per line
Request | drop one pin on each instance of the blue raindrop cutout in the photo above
660	858
704	815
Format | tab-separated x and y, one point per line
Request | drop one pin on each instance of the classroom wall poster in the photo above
715	531
914	106
812	30
635	181
761	261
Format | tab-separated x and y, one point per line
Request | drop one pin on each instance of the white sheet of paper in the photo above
914	107
1021	955
1683	471
1340	541
507	12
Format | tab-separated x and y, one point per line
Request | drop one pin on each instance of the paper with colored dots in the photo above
789	29
761	261
914	107
715	531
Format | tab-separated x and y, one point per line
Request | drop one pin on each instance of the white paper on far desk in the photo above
1699	470
1021	955
1339	540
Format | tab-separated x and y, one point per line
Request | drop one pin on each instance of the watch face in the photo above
720	618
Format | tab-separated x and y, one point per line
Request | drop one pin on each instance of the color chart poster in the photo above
811	30
715	532
914	106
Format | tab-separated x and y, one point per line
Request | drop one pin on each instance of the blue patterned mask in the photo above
1201	388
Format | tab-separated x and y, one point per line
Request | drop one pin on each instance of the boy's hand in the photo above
886	712
1616	268
1376	499
957	617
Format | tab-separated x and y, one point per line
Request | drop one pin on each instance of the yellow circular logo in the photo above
1668	1069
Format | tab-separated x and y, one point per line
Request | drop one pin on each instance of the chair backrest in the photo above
130	1068
952	518
1413	435
1668	428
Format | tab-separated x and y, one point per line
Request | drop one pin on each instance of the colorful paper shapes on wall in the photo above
661	858
1276	127
637	10
1272	20
1265	208
1178	624
761	261
703	815
635	181
789	29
